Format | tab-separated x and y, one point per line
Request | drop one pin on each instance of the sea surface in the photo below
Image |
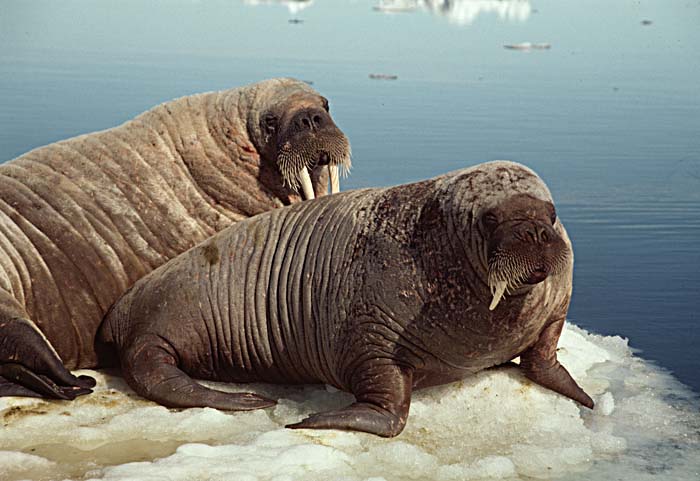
608	114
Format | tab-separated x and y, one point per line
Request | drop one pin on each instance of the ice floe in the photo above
495	425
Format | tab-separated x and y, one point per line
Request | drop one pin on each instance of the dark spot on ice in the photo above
19	412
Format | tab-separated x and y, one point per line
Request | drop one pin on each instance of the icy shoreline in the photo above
496	425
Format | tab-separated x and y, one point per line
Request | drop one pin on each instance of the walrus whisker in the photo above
507	273
341	156
510	271
285	160
292	160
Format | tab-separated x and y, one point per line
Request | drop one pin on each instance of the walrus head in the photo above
503	215
523	246
299	136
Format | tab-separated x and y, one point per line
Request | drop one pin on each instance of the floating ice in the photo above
495	425
527	46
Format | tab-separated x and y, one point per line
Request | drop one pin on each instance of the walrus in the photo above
376	292
81	220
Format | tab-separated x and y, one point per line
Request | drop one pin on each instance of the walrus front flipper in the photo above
150	368
383	398
10	388
539	363
29	366
17	380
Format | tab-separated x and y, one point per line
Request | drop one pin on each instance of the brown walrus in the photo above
375	292
81	220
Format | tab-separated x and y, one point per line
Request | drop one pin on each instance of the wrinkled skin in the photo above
376	292
81	220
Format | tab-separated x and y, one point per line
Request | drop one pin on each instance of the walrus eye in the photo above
325	105
490	220
554	217
270	123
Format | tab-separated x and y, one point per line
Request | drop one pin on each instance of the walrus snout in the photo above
535	233
298	135
309	140
523	248
525	259
311	119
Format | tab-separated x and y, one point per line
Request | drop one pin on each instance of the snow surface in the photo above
495	425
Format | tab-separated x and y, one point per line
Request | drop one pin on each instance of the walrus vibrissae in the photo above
82	219
375	292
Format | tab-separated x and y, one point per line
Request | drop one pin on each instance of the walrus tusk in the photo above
335	179
498	291
306	184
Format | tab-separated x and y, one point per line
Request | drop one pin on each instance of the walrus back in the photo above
77	223
257	301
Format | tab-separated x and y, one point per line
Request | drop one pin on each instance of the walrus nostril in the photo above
531	234
308	119
537	234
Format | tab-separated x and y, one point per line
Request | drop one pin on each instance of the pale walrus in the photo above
375	292
83	219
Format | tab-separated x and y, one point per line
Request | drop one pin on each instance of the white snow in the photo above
495	425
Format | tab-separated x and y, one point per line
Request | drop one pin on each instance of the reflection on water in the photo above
294	6
462	12
458	12
397	6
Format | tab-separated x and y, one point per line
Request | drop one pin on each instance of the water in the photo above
609	116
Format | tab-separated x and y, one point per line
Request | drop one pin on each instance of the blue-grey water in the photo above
609	115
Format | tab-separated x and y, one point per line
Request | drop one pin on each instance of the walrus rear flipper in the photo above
150	368
29	366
